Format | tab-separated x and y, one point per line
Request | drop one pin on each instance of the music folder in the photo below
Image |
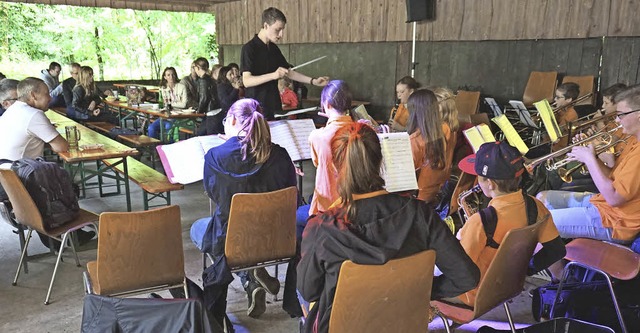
548	119
511	134
183	161
478	135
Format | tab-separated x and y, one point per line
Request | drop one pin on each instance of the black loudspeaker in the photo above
420	10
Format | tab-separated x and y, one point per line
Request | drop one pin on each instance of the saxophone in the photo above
469	201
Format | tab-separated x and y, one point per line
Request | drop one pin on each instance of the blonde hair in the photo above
85	80
257	140
447	107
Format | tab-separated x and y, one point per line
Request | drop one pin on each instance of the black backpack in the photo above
51	188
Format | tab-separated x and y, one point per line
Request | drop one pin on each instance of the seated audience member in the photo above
246	163
237	83
86	97
371	226
228	94
189	82
67	88
208	101
215	72
613	214
432	143
400	115
8	94
24	129
51	79
174	95
565	94
287	96
499	168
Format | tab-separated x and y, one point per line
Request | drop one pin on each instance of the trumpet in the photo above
606	136
565	174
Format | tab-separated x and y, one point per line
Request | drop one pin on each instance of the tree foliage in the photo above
117	43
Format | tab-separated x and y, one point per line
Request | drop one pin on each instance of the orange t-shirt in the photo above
512	214
623	219
326	190
430	180
564	117
402	116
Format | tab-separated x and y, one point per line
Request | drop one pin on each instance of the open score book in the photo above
397	162
183	161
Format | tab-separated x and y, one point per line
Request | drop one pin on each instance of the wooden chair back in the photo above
541	85
616	260
138	250
467	102
261	228
587	85
393	297
505	276
24	208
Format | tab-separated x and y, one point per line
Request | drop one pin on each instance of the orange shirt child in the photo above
430	180
289	98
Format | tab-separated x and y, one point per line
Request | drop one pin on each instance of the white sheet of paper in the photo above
183	161
523	113
293	135
397	162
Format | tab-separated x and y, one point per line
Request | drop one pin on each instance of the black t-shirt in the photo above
260	58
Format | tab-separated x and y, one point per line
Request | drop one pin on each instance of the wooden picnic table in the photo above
74	160
152	89
179	117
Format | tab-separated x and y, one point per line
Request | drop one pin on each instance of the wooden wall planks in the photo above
335	21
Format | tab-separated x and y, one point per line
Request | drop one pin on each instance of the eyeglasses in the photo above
559	97
620	115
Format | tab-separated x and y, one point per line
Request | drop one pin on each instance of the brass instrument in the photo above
574	102
464	200
565	174
606	136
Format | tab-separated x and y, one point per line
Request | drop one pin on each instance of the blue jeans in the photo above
198	230
302	215
154	130
574	216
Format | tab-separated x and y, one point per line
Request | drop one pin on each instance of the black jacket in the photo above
387	226
207	94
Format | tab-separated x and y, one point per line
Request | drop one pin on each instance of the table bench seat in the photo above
100	126
150	181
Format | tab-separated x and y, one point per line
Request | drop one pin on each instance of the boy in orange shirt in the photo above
499	168
613	214
287	96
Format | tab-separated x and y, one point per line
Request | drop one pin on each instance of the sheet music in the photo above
360	112
494	106
510	133
548	119
523	113
478	135
183	161
397	162
293	135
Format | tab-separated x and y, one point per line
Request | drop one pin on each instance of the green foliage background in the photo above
116	43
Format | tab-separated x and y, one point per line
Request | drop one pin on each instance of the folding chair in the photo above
503	280
138	253
393	297
27	214
467	102
541	85
587	84
608	259
261	230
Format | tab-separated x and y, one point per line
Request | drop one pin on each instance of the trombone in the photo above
565	174
602	135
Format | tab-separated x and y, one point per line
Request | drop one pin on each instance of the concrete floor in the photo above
22	308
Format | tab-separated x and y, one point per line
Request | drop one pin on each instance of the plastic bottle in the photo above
160	101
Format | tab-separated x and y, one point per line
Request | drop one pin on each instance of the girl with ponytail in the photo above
371	226
246	163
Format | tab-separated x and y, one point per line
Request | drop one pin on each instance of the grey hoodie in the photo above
55	88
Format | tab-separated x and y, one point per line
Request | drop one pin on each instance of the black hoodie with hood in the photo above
387	226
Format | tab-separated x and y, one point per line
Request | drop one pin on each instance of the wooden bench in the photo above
142	142
150	181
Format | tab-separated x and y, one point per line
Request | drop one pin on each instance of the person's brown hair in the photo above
447	107
357	157
424	116
508	185
257	136
86	81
